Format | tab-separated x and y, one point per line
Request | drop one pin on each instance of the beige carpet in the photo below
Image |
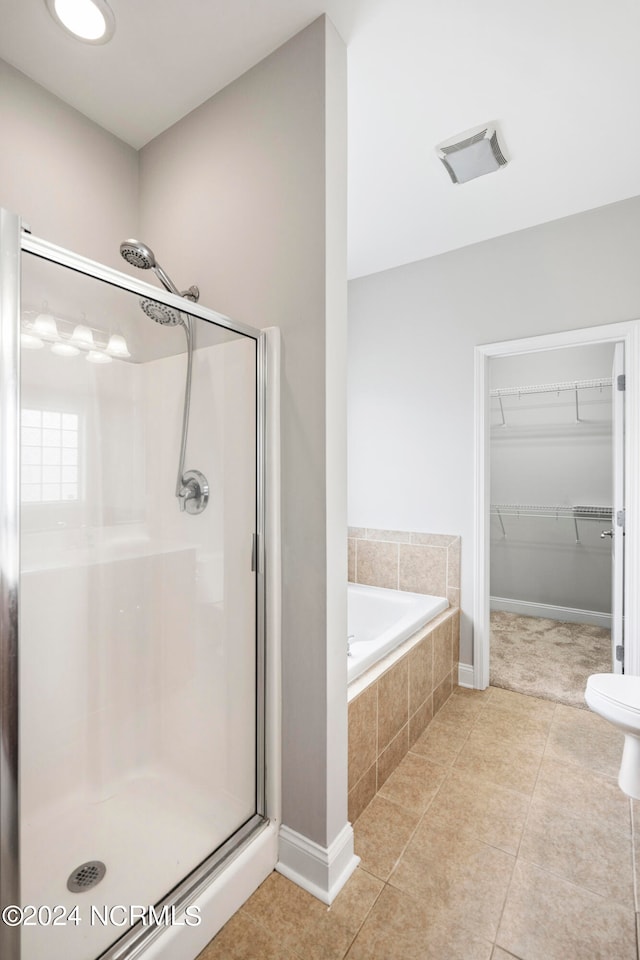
547	658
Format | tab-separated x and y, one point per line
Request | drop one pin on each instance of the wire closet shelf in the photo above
575	386
551	512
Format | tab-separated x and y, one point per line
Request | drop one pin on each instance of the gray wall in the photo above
70	180
246	197
543	455
412	331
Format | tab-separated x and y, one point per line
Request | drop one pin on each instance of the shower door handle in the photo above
606	533
254	553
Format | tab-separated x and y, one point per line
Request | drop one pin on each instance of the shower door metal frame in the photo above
9	575
14	241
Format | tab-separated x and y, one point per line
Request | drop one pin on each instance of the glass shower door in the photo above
140	664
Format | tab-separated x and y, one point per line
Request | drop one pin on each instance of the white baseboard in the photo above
465	675
551	612
322	871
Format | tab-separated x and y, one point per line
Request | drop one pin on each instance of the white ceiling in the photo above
561	78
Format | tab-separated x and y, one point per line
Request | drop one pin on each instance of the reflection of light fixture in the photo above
45	326
30	342
68	340
89	20
82	337
96	356
472	154
64	349
117	346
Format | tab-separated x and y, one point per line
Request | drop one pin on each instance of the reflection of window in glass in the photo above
49	461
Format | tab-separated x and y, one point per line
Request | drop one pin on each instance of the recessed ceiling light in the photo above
89	20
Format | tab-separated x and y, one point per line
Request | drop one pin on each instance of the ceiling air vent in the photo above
472	154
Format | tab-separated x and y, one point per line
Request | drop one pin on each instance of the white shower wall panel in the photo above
95	640
210	655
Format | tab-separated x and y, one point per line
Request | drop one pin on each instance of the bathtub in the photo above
380	620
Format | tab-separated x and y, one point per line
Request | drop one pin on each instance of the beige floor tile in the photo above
440	743
469	694
283	908
486	811
460	878
414	783
517	726
500	954
330	936
582	793
357	896
635	835
400	928
584	851
244	939
546	918
460	712
579	736
505	764
381	834
532	706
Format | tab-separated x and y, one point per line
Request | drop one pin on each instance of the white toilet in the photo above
616	697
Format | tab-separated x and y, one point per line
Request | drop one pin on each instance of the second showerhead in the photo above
161	313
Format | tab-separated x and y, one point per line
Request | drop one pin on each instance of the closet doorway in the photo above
556	431
552	529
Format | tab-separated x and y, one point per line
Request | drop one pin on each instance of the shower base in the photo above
150	834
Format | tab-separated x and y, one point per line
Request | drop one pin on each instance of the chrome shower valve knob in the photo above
194	492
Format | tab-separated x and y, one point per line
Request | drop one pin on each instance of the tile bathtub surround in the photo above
395	709
416	562
458	864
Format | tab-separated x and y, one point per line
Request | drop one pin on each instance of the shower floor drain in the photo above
86	876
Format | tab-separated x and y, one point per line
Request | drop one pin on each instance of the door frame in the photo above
628	333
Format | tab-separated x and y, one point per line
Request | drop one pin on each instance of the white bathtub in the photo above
380	620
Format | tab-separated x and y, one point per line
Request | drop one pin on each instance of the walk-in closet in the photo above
556	478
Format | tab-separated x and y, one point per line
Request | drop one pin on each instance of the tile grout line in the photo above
634	864
413	832
448	770
365	918
542	755
524	827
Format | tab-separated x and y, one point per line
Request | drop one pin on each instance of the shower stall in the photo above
133	661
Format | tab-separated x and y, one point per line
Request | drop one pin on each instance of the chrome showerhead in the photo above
161	313
141	256
138	254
